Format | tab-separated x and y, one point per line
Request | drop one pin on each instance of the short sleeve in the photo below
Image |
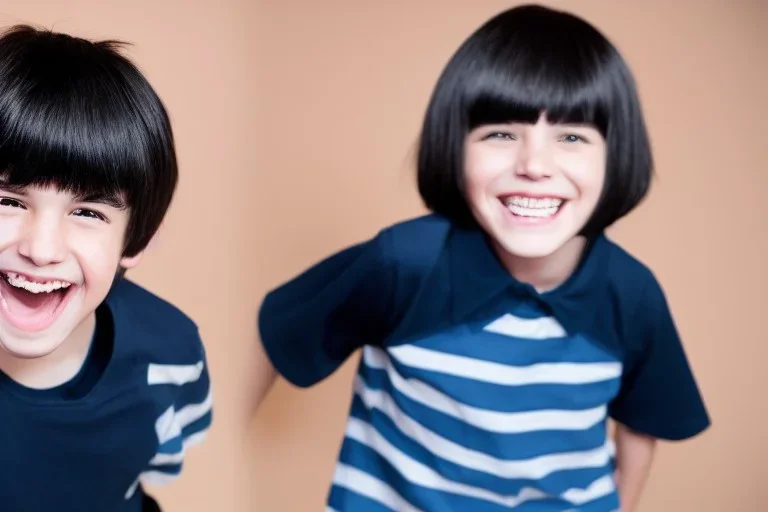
186	421
659	395
310	325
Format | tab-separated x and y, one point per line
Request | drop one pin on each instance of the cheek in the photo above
484	166
9	229
586	174
98	253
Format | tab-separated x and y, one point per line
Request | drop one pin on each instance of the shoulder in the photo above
419	239
636	294
152	322
430	225
628	276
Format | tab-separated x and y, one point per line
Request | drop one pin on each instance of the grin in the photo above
533	207
33	304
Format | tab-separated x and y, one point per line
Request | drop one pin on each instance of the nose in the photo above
43	242
533	162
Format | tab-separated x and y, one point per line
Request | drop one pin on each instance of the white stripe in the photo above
157	478
132	489
420	474
177	374
361	483
196	438
493	421
601	487
167	426
533	468
177	458
530	328
162	459
506	375
171	423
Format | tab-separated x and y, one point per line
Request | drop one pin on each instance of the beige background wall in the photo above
296	123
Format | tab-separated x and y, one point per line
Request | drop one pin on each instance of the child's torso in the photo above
80	456
509	413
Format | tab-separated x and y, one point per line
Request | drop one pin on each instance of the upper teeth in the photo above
20	281
531	202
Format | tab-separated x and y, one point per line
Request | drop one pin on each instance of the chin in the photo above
530	246
29	349
529	252
33	344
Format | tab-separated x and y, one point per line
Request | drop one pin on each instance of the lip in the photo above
532	196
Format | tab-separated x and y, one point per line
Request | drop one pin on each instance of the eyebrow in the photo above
10	187
106	199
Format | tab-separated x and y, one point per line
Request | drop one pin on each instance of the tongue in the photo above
28	306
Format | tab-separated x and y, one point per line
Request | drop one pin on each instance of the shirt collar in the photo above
479	278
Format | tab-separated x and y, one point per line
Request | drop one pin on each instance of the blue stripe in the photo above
193	393
555	483
171	446
499	348
360	456
501	398
344	500
474	342
198	425
514	446
171	469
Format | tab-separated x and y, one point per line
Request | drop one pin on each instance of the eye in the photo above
499	136
572	138
11	203
88	214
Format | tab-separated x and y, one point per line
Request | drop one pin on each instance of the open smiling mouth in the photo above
31	304
533	208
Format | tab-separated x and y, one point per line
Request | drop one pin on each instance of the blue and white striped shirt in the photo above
475	392
142	398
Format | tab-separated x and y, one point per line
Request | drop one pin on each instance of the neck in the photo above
547	272
56	368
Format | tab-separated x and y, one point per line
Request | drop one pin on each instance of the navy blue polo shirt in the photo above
474	391
141	398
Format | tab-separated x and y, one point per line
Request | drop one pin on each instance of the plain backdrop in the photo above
296	124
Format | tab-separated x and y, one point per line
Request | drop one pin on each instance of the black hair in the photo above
79	115
522	62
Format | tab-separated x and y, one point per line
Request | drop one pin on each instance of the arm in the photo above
659	397
266	375
634	453
310	325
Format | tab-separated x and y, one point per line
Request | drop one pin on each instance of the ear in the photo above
129	262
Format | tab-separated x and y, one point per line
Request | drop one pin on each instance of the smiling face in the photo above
533	187
58	258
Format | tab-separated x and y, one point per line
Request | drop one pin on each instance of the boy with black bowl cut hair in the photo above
103	385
